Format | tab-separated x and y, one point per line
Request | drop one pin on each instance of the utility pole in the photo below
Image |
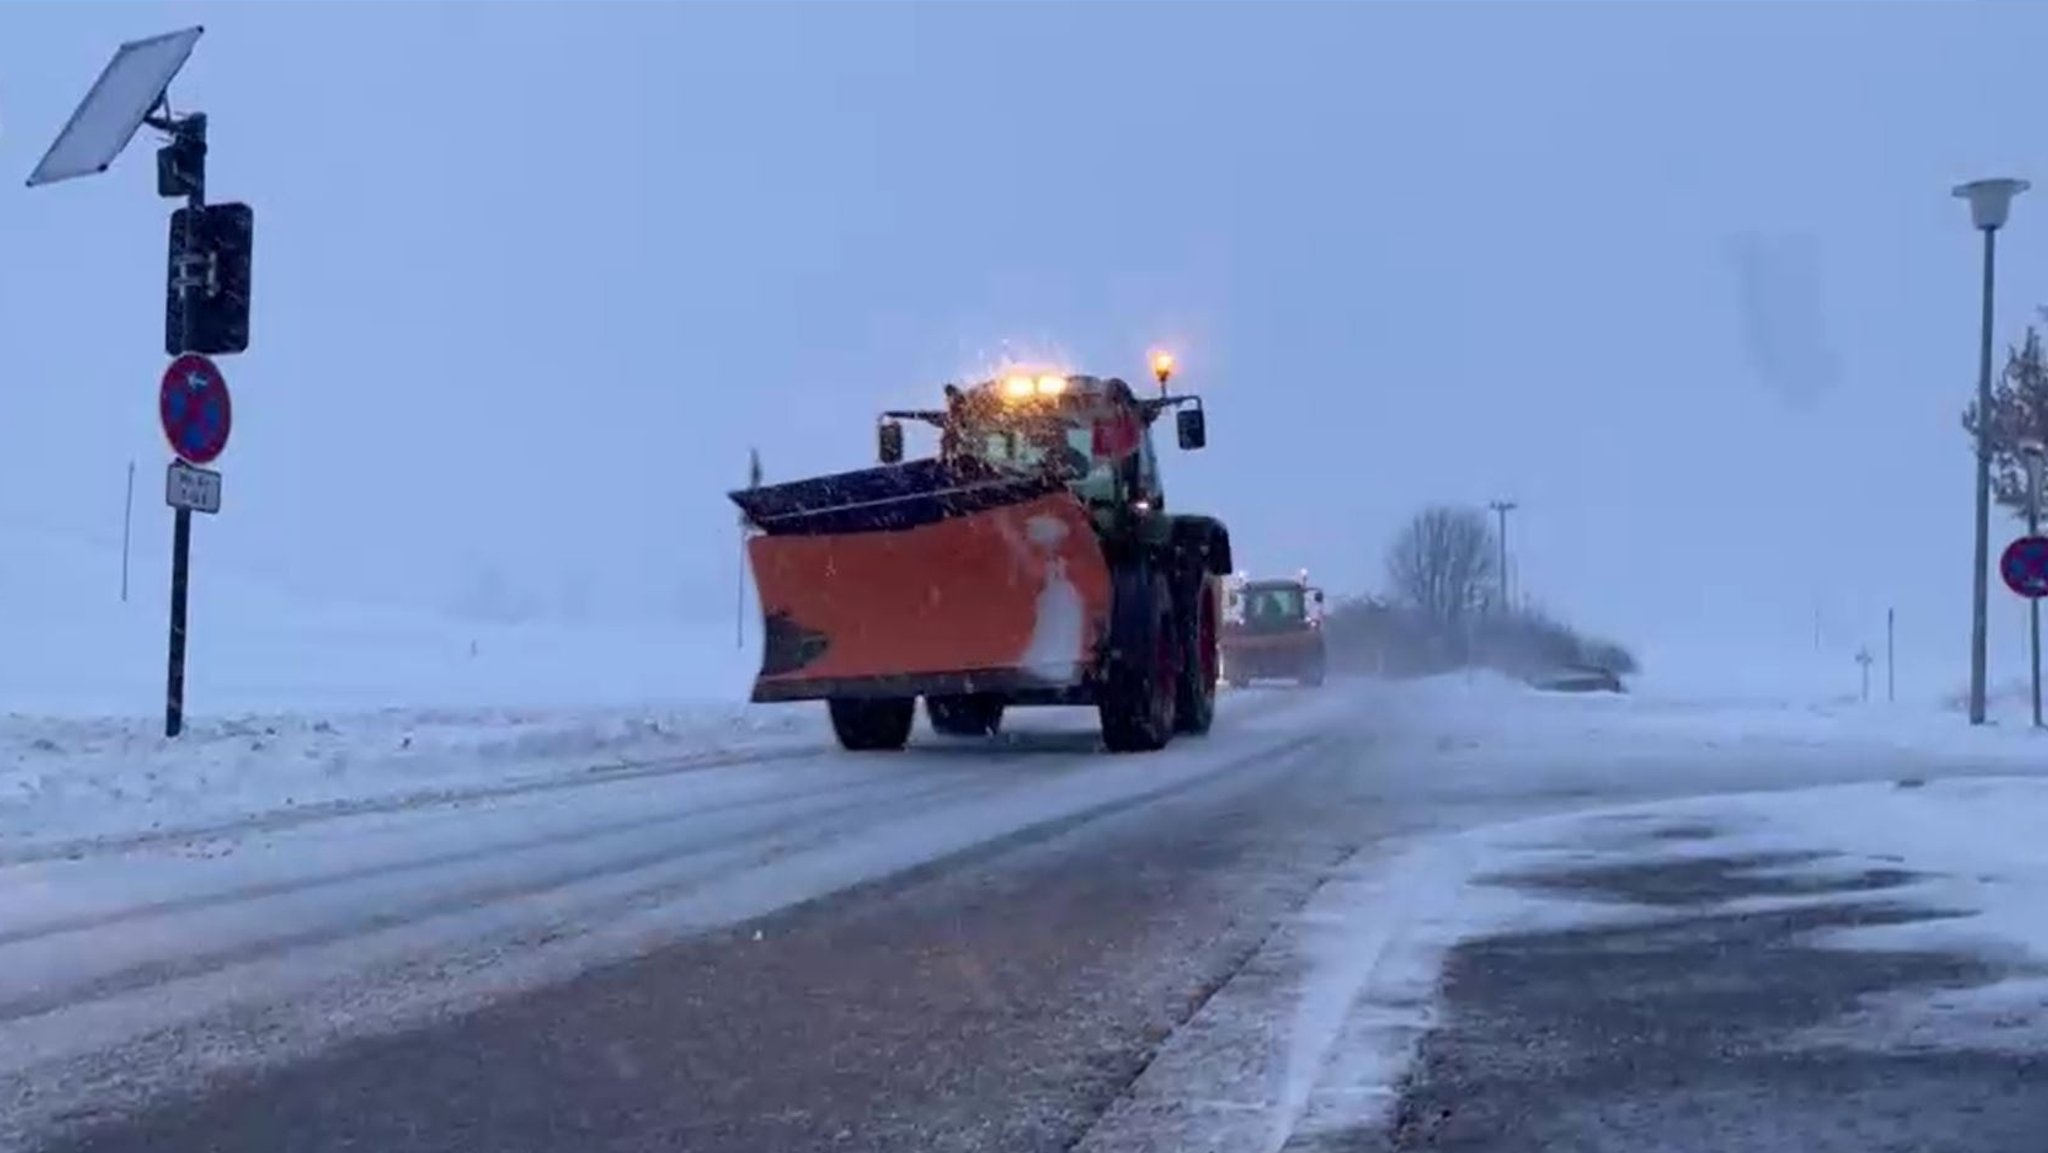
1864	658
1501	509
1990	206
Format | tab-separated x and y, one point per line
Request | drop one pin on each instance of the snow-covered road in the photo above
131	965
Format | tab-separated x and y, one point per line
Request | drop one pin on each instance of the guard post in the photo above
206	307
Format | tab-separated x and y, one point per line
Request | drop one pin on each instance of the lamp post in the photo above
1990	204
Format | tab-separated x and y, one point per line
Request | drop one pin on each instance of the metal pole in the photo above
1891	683
127	523
181	519
2033	603
1501	509
1980	577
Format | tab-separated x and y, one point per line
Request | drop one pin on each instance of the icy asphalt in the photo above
1690	1032
1018	948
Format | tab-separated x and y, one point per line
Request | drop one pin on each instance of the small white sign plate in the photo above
197	489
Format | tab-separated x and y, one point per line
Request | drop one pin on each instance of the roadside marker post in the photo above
206	288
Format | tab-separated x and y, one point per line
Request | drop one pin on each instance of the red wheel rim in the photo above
1165	672
1211	659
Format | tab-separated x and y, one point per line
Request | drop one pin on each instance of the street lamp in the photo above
1990	204
2033	451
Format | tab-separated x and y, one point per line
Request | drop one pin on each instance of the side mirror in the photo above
1192	428
889	441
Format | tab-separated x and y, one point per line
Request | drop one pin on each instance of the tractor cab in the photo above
1092	433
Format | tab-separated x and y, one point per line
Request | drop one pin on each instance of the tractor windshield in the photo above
1067	440
1282	604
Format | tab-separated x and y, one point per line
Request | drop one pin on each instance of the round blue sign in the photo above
195	407
2024	565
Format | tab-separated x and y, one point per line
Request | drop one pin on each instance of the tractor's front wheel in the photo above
866	726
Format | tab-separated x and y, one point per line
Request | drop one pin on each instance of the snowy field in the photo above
295	706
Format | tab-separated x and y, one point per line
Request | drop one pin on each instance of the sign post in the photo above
206	303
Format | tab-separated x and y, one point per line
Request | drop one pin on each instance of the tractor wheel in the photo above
1195	700
1143	676
975	715
1312	677
865	726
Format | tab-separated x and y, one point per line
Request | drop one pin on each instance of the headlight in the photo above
1022	387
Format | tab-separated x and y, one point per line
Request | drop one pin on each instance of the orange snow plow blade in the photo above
924	577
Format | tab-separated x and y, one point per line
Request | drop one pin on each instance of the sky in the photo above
1685	280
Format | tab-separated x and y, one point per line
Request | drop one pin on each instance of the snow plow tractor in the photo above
1032	561
1273	630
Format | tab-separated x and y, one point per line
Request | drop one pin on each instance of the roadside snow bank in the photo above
293	703
1485	708
70	780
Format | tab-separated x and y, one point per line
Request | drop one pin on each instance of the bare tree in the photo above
1443	563
2019	410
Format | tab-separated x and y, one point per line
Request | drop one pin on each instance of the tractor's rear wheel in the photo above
968	715
866	726
1142	680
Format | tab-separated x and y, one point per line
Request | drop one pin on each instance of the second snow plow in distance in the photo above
1031	562
1273	629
